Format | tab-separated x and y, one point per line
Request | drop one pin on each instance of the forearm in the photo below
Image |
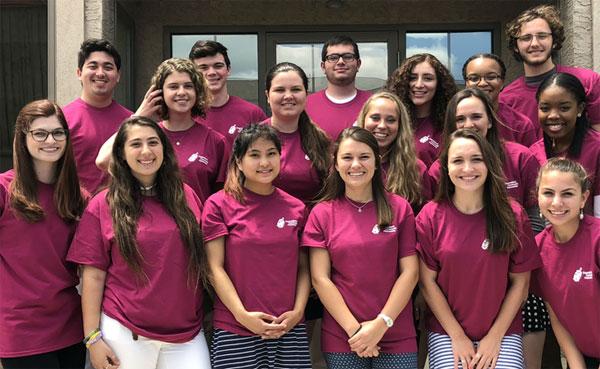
438	304
336	306
91	298
512	304
566	342
226	291
302	283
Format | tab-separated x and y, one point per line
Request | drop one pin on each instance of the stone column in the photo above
577	17
596	35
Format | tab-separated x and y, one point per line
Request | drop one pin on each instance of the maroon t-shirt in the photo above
428	140
517	127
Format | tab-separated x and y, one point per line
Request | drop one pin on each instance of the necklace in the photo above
359	208
147	188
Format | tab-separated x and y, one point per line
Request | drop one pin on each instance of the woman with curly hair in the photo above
143	260
177	97
40	203
425	85
386	117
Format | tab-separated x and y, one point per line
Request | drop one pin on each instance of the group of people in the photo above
337	205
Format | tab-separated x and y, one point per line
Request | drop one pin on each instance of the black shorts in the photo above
535	315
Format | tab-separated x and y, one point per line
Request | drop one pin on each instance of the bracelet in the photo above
93	339
89	336
358	330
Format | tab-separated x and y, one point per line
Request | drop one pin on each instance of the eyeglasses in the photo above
41	135
542	36
347	57
476	78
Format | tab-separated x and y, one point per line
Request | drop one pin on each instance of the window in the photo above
451	48
243	53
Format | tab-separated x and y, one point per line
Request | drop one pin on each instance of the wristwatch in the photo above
389	322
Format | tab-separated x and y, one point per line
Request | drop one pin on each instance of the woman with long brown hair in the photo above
144	263
40	204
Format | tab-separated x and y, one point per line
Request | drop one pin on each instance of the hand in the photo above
365	341
487	353
259	323
289	320
463	351
102	356
150	106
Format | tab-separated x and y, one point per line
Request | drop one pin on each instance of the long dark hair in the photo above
68	198
399	83
492	136
573	86
336	188
235	177
499	216
315	142
125	202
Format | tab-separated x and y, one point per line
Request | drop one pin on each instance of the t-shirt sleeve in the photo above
526	257
530	168
258	115
90	246
407	237
213	221
593	99
425	246
314	234
194	202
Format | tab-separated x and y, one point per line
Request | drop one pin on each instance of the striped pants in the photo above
232	351
441	357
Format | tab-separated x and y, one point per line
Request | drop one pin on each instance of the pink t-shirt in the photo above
522	97
517	127
589	159
331	117
426	185
230	118
364	266
569	281
202	155
89	128
262	238
428	140
40	309
162	304
297	176
473	280
520	169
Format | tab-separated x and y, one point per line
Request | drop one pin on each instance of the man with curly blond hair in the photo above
535	37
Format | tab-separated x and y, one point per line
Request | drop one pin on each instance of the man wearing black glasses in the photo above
337	106
535	37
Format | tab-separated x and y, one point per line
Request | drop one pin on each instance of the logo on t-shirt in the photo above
388	229
233	129
485	244
512	184
579	273
290	222
431	141
197	157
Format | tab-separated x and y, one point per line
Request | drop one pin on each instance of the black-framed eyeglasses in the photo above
475	78
346	57
41	135
541	36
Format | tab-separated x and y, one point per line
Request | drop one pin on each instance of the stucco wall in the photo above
151	17
577	19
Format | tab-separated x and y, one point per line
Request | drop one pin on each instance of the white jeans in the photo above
146	353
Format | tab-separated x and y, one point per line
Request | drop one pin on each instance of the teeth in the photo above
50	149
380	135
356	174
556	212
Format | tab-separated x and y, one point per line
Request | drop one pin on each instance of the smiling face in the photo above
355	162
422	84
382	120
485	68
50	150
99	76
260	165
342	72
557	112
179	93
466	167
143	153
287	95
471	114
560	198
538	50
215	71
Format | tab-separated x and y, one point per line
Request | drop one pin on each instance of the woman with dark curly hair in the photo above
425	85
178	95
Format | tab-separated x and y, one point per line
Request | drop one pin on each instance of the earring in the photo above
581	214
579	115
541	215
